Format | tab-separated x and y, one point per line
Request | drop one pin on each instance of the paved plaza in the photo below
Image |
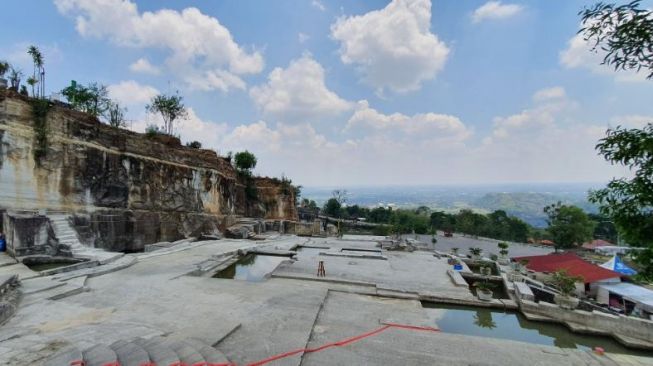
170	293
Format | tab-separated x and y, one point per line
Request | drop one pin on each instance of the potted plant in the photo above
503	252
4	67
476	253
484	290
486	268
566	284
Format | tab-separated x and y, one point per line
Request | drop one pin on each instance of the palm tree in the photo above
37	58
32	81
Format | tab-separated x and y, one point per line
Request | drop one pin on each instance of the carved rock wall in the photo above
126	189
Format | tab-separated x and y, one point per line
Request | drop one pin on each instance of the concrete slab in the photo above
347	315
153	296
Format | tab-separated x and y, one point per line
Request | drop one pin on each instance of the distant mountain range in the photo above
525	201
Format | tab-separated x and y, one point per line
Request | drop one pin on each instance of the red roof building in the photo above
573	264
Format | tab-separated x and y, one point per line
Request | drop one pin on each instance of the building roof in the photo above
634	293
596	243
573	264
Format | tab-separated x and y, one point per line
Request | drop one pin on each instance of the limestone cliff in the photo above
126	189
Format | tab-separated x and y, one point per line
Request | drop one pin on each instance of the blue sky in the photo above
344	93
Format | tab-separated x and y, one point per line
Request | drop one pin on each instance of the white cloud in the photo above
495	10
303	37
131	93
392	47
631	121
555	92
199	45
433	126
142	65
318	4
541	143
215	80
298	92
579	54
193	128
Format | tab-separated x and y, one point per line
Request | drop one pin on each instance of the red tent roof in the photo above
573	264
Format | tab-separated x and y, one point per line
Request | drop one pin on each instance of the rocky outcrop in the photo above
125	189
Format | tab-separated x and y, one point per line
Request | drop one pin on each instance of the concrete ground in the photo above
250	321
489	246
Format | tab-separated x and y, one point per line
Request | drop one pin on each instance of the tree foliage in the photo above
170	107
332	207
92	99
4	67
569	226
624	32
245	161
116	115
194	144
629	202
38	75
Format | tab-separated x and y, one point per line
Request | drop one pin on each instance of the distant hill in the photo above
525	201
528	206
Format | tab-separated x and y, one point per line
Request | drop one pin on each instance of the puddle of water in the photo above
493	323
251	268
38	267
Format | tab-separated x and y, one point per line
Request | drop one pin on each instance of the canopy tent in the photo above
617	265
641	296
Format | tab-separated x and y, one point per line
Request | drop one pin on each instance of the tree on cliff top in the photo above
170	107
38	75
245	161
625	34
92	99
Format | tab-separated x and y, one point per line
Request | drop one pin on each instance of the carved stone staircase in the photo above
68	236
159	351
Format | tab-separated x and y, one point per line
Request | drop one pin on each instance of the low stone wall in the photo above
617	325
30	235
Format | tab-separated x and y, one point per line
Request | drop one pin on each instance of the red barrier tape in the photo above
343	342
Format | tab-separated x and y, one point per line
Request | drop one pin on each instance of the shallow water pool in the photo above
491	323
252	268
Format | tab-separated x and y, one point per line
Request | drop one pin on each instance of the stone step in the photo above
210	354
67	356
99	355
187	353
130	353
159	352
67	236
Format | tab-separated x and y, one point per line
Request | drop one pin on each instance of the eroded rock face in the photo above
126	190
